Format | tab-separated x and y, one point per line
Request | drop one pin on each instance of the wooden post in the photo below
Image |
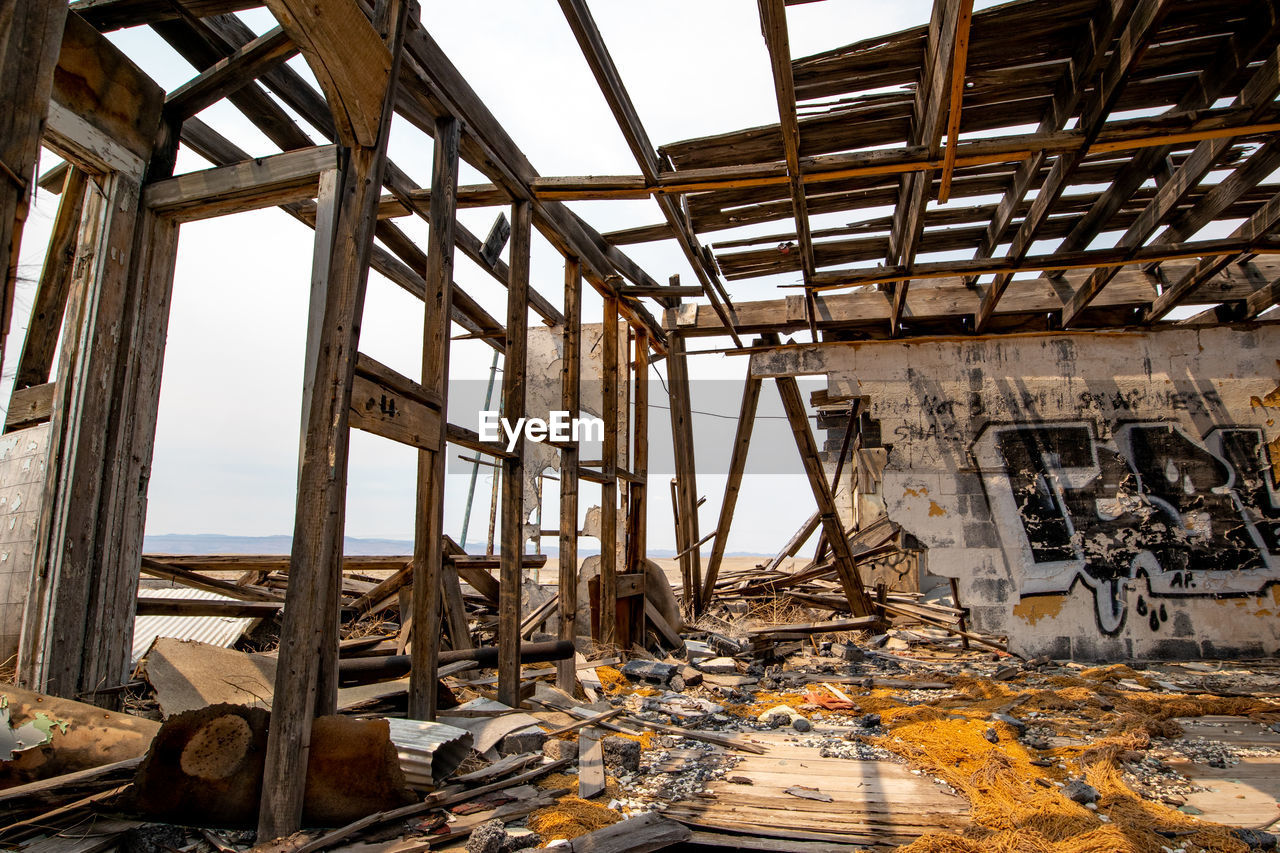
737	465
67	647
793	403
640	467
609	469
571	402
513	400
30	41
431	463
686	472
308	635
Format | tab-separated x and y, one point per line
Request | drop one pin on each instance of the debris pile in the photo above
774	722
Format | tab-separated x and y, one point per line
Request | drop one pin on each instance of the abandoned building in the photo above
1009	274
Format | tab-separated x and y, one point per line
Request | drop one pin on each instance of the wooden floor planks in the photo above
872	802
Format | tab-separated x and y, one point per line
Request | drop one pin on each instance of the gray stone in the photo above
530	739
621	754
649	670
1018	726
1256	838
991	735
869	721
848	652
1080	792
492	837
800	724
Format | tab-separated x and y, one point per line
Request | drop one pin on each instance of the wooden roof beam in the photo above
227	75
108	15
1251	230
1054	262
948	27
1207	87
941	301
1257	168
955	100
773	25
487	146
1258	94
615	94
348	57
1132	42
1120	136
1086	62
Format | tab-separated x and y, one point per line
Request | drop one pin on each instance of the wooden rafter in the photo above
615	93
773	23
1085	64
1132	42
939	304
1260	224
1241	48
955	99
488	147
947	28
348	57
1258	94
227	75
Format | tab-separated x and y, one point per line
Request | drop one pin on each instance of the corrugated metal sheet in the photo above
215	630
428	751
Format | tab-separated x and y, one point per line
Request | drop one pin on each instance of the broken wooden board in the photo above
872	802
591	780
636	835
488	731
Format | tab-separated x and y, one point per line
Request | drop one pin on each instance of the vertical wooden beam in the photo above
571	402
513	402
686	472
50	302
327	212
308	635
30	40
737	465
640	467
793	403
609	468
60	631
78	627
431	463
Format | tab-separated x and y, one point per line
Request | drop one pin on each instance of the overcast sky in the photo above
226	447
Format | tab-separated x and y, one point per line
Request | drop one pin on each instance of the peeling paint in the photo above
935	510
1033	608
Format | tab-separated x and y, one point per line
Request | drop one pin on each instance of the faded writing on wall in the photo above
1194	517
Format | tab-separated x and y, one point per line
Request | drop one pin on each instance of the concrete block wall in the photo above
1101	496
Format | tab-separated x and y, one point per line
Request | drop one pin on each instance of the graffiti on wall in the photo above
1194	517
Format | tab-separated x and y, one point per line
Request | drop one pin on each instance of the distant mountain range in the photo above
216	543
